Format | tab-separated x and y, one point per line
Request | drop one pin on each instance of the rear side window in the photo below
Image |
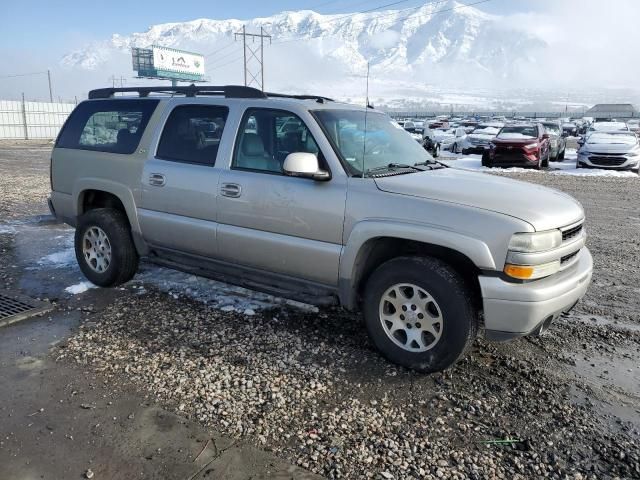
192	134
113	126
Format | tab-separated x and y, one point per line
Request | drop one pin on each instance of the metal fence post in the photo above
24	119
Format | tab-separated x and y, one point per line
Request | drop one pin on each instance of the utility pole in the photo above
253	75
50	91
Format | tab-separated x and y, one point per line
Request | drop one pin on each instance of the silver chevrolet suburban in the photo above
319	201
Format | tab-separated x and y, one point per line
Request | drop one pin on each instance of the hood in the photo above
610	144
514	139
542	207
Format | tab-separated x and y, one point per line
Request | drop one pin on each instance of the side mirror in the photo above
304	164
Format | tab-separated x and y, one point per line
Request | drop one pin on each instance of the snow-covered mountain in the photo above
438	42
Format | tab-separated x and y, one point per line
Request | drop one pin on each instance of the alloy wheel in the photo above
96	249
411	317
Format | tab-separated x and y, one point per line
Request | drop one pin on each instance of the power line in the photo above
23	74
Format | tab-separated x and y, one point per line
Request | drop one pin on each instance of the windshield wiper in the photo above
431	164
390	166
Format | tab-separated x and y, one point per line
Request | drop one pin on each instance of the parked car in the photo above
524	145
478	141
557	140
570	129
430	143
347	210
612	126
616	150
634	125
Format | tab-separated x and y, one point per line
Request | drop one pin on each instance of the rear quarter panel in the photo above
75	171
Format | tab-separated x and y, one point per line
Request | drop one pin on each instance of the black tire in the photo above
436	153
454	148
545	161
561	156
459	319
486	160
124	257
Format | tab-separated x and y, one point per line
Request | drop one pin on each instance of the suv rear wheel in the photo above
104	248
419	313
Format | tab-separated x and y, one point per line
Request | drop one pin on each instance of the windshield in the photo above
552	128
518	132
386	142
627	138
604	126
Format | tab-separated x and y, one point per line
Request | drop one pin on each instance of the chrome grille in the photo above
571	233
607	161
567	258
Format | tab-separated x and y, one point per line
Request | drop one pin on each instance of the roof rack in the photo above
317	98
228	91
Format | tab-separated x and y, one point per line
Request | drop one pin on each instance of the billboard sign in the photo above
177	61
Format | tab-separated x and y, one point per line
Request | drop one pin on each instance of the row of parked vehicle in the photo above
531	142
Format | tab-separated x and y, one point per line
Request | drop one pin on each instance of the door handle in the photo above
232	190
157	180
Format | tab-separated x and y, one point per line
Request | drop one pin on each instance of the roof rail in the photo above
317	98
228	91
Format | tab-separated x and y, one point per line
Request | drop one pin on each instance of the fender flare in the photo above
122	192
350	261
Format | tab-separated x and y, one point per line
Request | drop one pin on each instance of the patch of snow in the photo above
61	259
7	229
79	287
219	295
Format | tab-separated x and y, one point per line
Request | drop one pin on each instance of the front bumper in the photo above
516	158
517	309
621	162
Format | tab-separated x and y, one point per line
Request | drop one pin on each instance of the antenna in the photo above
366	110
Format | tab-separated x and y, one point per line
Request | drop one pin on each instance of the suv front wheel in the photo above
419	313
104	248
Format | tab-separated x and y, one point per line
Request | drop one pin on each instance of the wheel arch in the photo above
99	193
364	253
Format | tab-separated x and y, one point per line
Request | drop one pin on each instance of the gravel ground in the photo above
309	386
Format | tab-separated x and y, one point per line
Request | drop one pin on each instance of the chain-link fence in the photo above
29	120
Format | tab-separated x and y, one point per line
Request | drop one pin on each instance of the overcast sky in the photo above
588	37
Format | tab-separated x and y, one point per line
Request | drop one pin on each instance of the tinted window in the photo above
267	137
192	134
114	126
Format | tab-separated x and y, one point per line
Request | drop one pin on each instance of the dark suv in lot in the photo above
525	145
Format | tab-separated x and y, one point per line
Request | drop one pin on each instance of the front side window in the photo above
266	137
192	134
114	126
371	140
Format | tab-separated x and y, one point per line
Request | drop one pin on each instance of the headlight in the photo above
535	242
633	153
531	145
532	272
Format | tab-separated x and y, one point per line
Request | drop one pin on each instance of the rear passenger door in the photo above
180	180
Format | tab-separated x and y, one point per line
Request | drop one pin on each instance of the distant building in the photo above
608	111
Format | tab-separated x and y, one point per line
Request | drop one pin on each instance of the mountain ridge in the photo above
435	39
